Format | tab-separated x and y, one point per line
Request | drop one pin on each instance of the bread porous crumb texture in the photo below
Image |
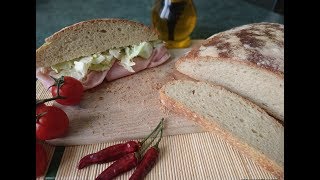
238	120
260	86
89	37
247	60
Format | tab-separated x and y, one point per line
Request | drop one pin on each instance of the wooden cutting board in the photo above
127	108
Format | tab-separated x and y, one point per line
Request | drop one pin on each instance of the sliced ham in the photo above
158	56
117	71
94	78
43	75
161	55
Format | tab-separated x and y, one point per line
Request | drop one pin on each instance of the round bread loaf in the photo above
247	60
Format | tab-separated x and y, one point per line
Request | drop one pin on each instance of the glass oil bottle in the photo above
175	20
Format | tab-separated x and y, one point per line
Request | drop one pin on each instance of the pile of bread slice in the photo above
237	90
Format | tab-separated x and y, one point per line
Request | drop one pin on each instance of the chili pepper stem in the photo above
145	139
157	143
148	161
141	151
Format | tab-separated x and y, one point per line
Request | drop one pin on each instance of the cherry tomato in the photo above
39	107
51	123
71	88
41	160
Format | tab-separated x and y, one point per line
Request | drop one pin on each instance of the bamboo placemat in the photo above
195	156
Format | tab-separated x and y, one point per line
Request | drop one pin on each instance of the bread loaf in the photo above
240	122
247	60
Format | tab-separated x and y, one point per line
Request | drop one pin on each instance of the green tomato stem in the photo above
40	101
39	115
58	82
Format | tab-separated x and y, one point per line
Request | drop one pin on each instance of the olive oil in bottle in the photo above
175	20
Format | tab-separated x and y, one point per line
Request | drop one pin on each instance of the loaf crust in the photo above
243	147
251	40
257	46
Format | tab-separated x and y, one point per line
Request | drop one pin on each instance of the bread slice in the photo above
89	37
247	60
237	120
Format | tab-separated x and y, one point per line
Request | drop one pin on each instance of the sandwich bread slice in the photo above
240	122
247	60
94	50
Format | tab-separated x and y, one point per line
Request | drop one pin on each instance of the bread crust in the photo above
192	57
251	152
81	24
244	46
246	38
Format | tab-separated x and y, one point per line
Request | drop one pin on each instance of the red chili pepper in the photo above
147	163
122	165
114	152
109	154
127	162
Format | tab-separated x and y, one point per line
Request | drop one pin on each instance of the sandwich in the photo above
247	60
96	50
